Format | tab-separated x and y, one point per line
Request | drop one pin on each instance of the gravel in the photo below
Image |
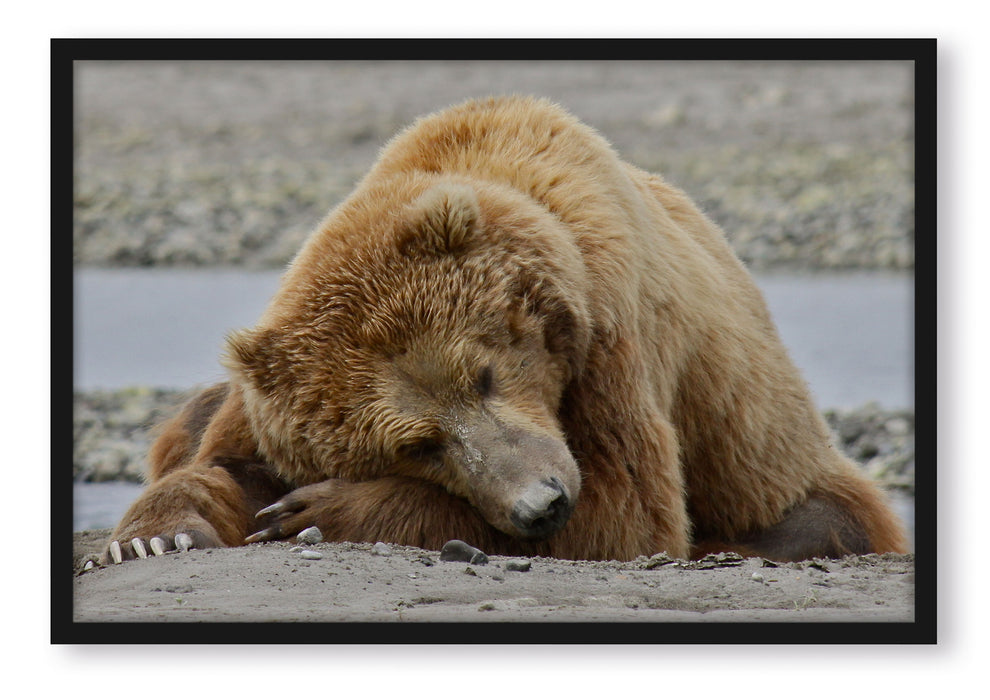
805	165
113	429
882	441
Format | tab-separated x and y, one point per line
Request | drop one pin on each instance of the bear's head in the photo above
429	329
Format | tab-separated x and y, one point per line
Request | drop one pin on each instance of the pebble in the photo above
381	549
456	550
757	576
310	554
311	535
898	426
657	560
518	565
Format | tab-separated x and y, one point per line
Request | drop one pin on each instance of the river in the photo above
851	334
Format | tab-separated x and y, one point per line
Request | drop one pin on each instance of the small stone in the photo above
381	549
311	535
517	565
484	607
295	549
658	560
868	449
757	576
310	554
470	572
897	426
455	550
664	117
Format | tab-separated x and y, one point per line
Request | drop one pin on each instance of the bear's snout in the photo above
542	509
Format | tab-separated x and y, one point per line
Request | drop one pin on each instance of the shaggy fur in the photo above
507	335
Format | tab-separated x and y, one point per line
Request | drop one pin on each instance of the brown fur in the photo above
503	326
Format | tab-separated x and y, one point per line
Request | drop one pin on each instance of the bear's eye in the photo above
425	450
485	381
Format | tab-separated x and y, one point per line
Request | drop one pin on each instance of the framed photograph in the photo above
563	341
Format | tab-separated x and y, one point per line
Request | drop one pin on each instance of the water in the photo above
851	335
162	328
101	505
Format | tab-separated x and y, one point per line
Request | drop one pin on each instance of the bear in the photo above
508	335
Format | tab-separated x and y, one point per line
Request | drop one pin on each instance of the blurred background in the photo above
196	182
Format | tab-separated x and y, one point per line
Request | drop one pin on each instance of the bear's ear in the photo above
248	355
442	219
240	350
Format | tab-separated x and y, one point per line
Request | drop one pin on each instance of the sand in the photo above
351	583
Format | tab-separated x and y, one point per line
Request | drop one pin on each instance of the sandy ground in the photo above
350	583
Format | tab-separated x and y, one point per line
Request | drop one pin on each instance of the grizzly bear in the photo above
509	336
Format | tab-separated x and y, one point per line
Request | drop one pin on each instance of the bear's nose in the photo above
542	509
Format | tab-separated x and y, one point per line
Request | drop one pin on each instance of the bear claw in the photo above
273	509
139	547
262	536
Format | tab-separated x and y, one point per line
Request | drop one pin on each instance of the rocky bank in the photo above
113	429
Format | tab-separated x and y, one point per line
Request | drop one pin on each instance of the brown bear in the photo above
509	336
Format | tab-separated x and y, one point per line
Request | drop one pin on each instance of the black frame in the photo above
923	52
